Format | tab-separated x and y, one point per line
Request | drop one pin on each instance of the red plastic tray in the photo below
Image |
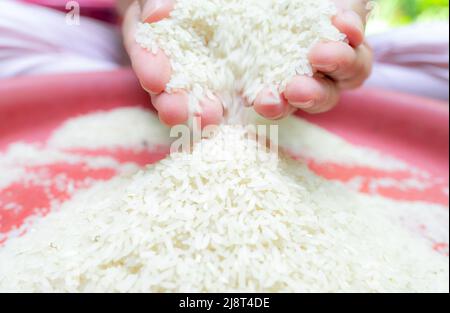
412	129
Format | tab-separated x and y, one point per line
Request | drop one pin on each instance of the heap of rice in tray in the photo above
226	217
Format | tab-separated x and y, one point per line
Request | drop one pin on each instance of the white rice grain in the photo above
238	47
252	224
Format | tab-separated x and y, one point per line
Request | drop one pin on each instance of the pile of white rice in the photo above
128	127
227	217
235	48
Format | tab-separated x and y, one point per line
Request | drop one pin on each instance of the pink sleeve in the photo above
413	59
35	40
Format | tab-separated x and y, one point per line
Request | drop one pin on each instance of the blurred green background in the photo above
394	13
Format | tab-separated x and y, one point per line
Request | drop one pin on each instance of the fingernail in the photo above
150	92
328	68
303	105
150	8
270	99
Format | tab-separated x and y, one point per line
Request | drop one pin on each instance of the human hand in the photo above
337	65
154	71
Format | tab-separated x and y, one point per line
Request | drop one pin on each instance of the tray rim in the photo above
401	116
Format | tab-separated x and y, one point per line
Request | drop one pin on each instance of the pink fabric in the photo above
62	3
413	59
36	40
103	10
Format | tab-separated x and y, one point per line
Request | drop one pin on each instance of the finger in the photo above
361	69
347	66
350	24
327	96
155	10
335	59
271	105
153	70
172	108
303	92
314	95
212	111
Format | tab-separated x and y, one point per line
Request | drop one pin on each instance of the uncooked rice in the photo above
229	216
235	219
235	48
112	129
313	142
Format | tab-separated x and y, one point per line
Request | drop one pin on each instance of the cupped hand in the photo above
154	70
337	66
